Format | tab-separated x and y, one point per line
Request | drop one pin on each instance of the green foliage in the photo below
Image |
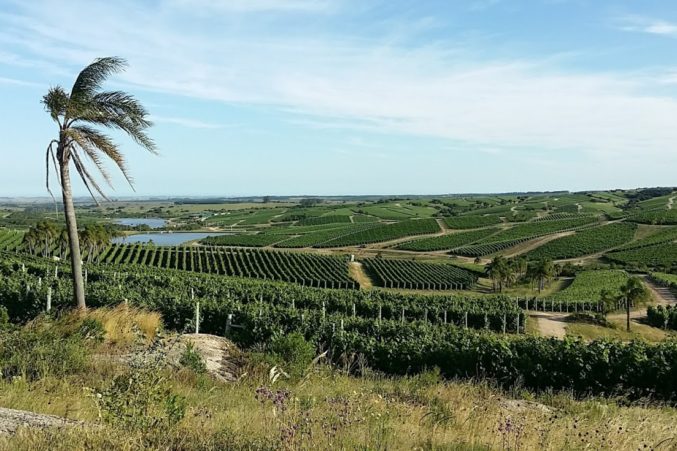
661	316
471	222
591	285
250	240
392	273
585	242
141	399
294	350
449	241
385	232
659	256
191	358
42	348
307	269
662	216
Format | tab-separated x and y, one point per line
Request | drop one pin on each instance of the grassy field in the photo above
129	404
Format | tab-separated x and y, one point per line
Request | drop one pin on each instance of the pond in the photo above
153	223
165	239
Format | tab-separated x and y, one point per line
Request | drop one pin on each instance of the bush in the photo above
294	350
190	358
41	349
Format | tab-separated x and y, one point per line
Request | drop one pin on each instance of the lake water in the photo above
153	223
165	239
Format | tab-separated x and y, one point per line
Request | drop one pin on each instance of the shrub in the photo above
191	358
294	350
40	349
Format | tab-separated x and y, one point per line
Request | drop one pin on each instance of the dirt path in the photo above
671	201
357	272
443	225
550	324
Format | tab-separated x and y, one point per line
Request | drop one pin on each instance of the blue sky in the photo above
282	97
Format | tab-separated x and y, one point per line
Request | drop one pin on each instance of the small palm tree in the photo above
633	292
77	114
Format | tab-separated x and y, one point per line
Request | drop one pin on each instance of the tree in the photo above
632	293
542	271
499	272
77	114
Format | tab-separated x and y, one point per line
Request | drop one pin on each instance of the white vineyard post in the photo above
28	288
354	311
303	317
23	268
465	320
39	282
505	321
293	304
197	317
380	313
229	323
518	323
445	317
56	272
425	317
85	276
402	318
324	310
341	326
49	299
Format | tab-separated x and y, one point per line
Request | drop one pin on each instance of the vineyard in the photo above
10	240
396	334
265	308
253	240
471	222
331	219
307	269
387	232
588	285
316	239
532	230
481	249
659	217
585	242
445	242
660	256
664	236
405	274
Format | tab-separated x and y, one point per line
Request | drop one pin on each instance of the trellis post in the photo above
49	299
402	318
229	323
465	320
197	317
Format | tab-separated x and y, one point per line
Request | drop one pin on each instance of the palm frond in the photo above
56	102
96	141
91	146
91	77
118	110
87	178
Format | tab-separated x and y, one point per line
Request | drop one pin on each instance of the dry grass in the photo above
123	323
330	410
637	331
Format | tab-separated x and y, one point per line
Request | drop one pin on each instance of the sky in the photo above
340	97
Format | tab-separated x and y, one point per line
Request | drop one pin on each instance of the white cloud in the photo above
323	80
648	25
186	122
242	6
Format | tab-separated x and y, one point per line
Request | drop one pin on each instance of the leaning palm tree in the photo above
77	114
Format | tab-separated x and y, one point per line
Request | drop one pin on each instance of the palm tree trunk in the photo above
73	239
627	310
